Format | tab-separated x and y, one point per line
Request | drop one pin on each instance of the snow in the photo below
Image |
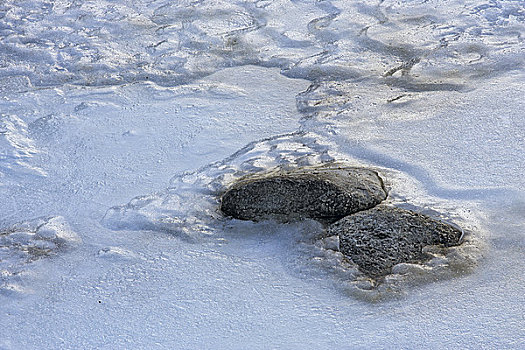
122	121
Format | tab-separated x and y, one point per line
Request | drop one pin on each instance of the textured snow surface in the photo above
121	122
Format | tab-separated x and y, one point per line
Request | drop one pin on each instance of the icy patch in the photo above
26	242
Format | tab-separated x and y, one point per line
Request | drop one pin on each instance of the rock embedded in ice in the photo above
324	193
379	238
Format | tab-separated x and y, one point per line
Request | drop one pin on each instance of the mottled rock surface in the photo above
379	238
324	193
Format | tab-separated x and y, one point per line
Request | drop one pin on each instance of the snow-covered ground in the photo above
121	121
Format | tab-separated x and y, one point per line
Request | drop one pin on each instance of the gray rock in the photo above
325	193
379	238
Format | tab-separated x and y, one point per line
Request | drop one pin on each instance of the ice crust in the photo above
103	101
26	242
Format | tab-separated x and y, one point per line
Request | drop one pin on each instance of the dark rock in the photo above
379	238
324	193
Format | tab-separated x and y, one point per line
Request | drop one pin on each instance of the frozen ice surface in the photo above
103	102
143	133
26	242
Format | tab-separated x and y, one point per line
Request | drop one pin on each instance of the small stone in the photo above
379	238
325	193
